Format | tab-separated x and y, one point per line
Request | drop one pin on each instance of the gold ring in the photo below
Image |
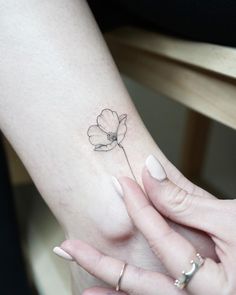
120	277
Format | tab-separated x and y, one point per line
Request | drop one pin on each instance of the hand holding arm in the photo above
215	217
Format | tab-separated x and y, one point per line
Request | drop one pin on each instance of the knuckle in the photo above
178	201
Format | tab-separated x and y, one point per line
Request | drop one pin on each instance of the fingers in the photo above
207	214
171	248
178	178
102	291
134	280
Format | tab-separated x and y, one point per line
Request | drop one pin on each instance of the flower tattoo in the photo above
109	132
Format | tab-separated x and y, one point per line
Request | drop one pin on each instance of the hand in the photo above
215	217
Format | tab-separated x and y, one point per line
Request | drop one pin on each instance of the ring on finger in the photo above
186	276
120	277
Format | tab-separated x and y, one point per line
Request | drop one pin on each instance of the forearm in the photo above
56	77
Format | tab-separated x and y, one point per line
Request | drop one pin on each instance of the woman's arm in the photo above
56	76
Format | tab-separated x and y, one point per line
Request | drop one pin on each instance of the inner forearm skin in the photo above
56	77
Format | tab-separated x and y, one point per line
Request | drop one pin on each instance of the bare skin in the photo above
56	77
215	217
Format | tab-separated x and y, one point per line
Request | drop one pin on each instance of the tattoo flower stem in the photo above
126	157
109	132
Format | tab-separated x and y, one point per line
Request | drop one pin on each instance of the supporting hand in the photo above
215	217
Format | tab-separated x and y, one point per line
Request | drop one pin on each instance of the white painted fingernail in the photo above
117	186
63	254
155	168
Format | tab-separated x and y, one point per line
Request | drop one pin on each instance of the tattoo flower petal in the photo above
109	132
108	121
105	148
122	128
121	117
97	136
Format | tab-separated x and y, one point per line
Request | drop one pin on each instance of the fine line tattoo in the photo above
108	133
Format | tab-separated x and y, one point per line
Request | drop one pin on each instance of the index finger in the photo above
135	280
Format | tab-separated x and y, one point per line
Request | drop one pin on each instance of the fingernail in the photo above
63	254
155	168
117	186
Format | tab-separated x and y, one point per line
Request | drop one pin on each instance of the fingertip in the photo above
156	191
150	184
146	177
67	245
71	246
150	172
155	168
125	180
129	186
62	253
83	253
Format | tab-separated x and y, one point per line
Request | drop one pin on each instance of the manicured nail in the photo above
117	186
155	168
63	254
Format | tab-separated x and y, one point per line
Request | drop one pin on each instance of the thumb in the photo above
211	215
